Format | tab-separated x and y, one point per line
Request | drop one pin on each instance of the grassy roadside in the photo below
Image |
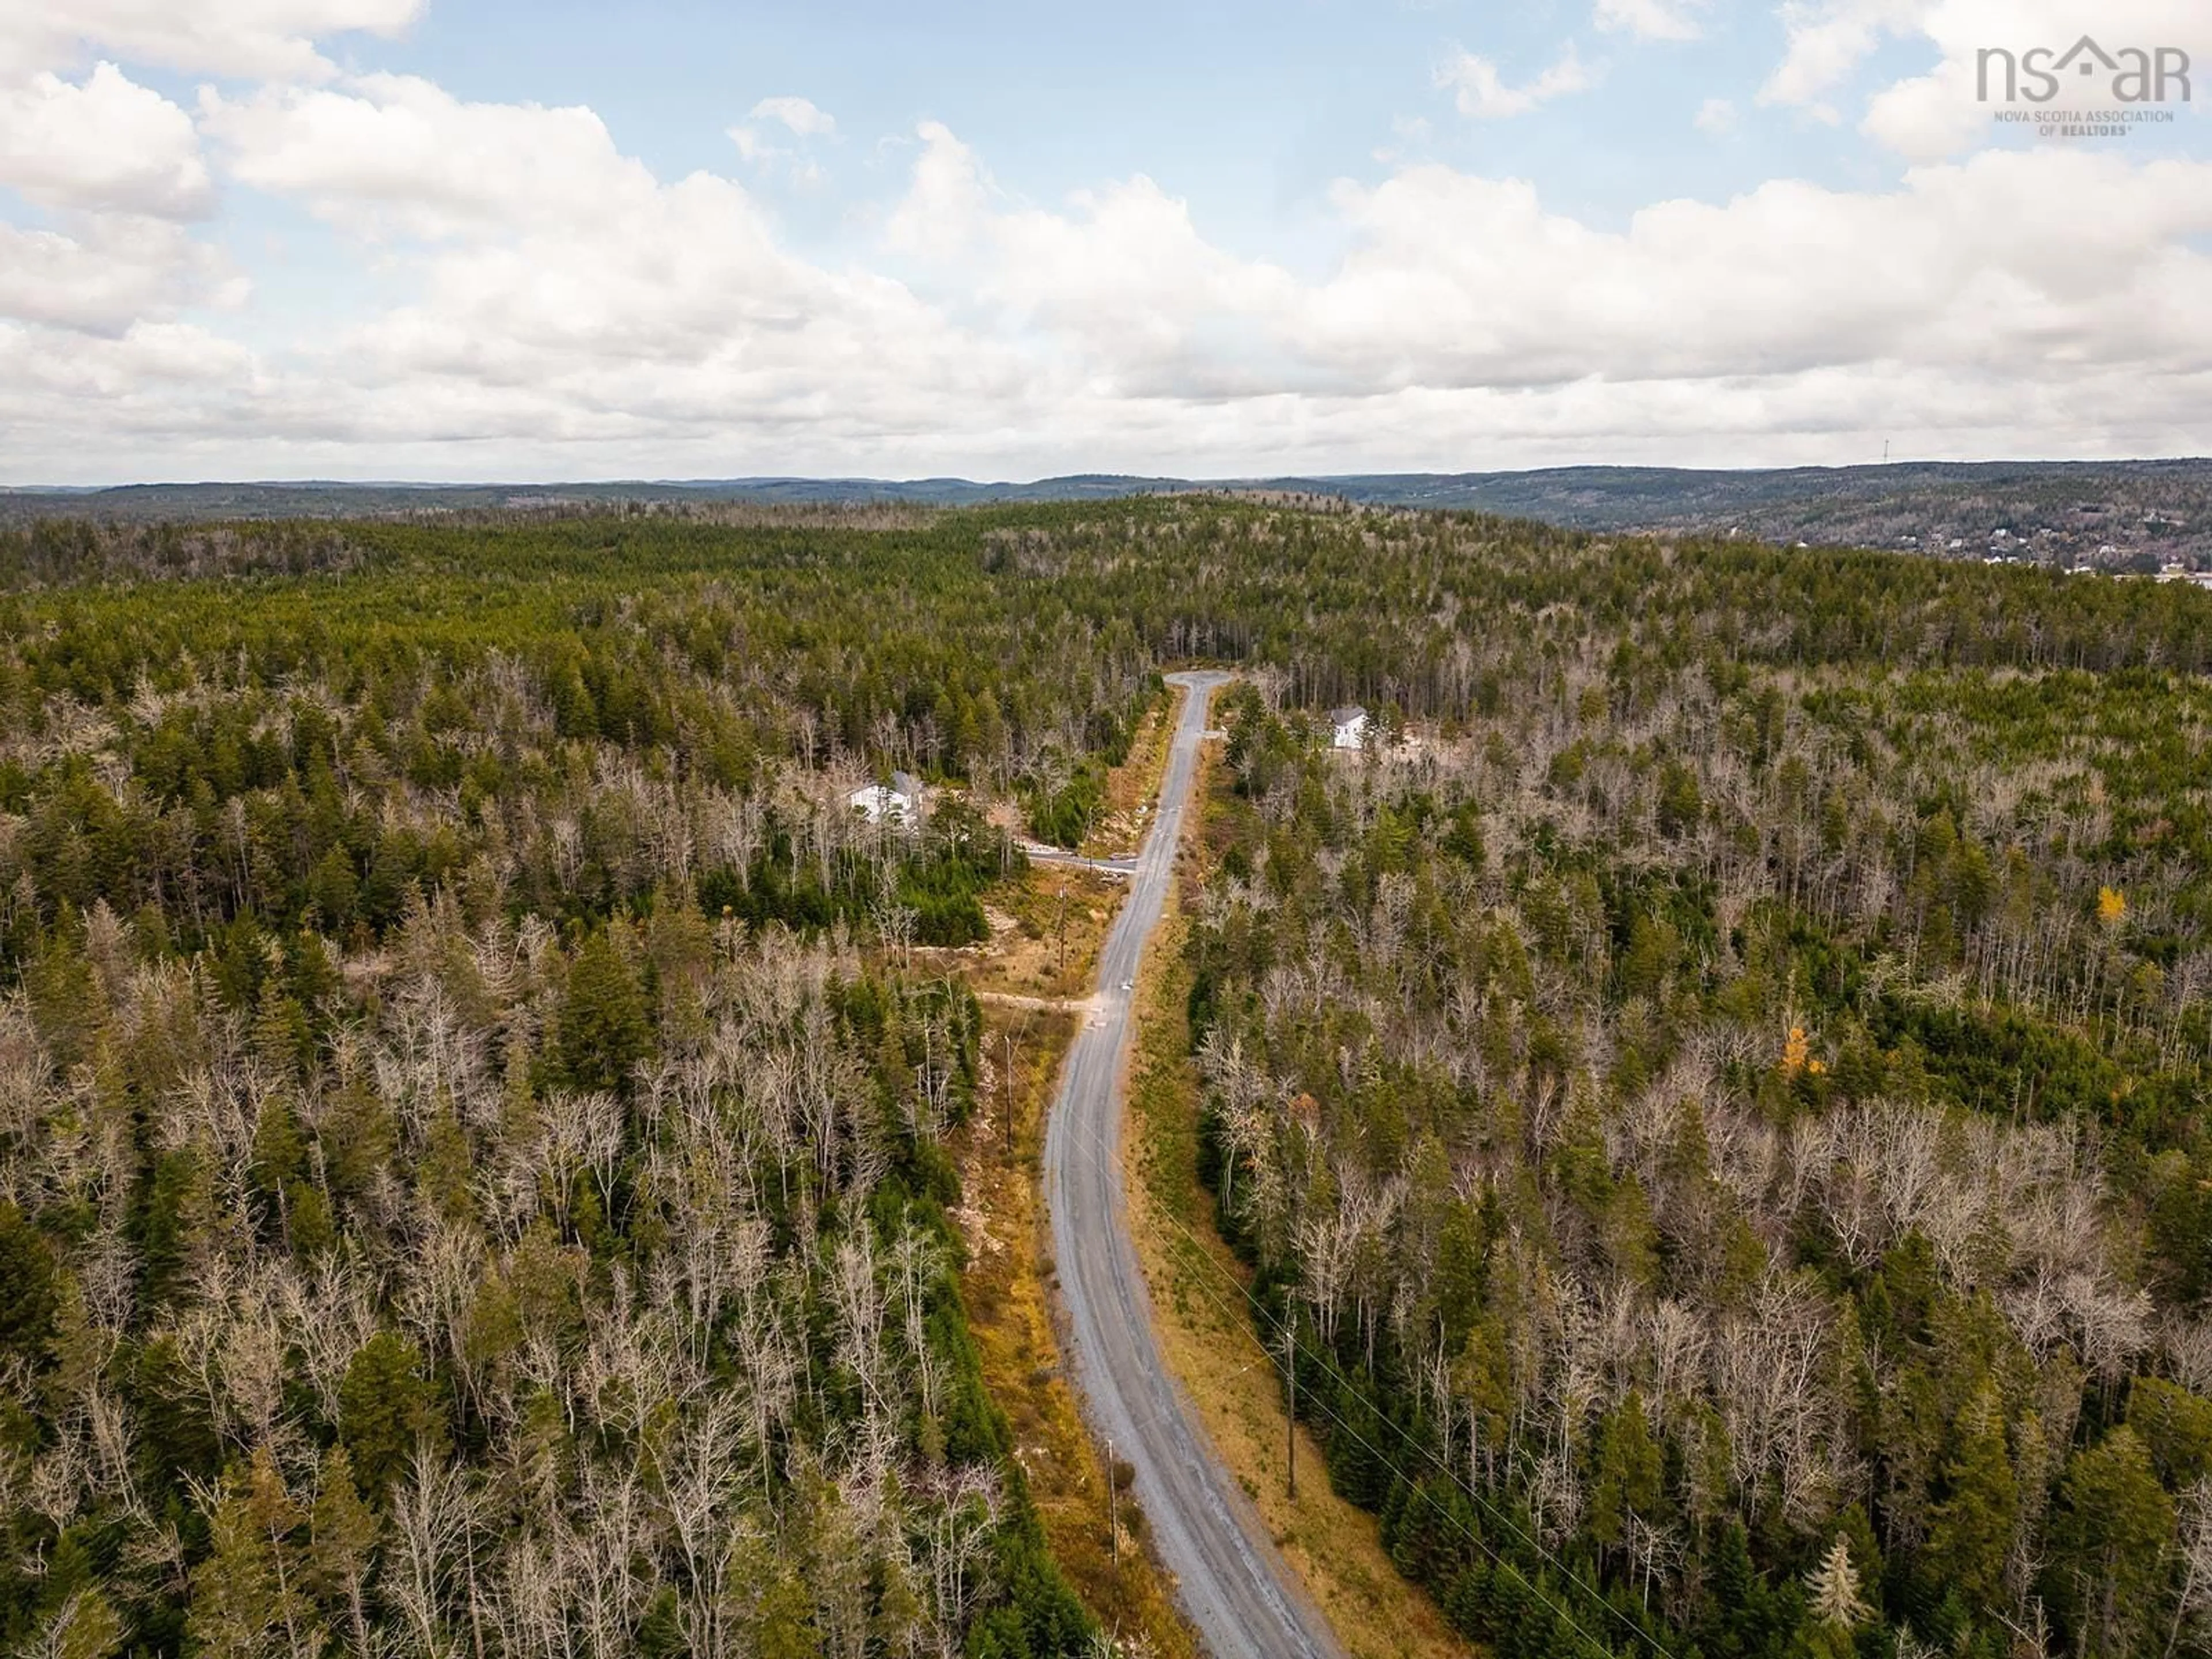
1009	1314
1134	787
1056	922
1206	1330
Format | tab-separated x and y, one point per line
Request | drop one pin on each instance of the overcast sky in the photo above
449	239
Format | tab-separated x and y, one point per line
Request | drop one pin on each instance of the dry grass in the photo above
1047	931
1206	1331
1009	1314
1135	783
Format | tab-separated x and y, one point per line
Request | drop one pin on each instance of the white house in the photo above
1351	724
898	801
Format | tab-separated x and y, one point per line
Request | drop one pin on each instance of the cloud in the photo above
798	117
109	272
249	38
2018	263
107	145
397	156
1938	113
1716	116
1122	283
548	305
1828	40
1650	19
799	114
559	293
1478	90
945	201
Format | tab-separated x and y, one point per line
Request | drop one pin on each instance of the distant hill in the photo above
2093	511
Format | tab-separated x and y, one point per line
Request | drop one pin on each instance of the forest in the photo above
1718	1121
471	1168
1715	1088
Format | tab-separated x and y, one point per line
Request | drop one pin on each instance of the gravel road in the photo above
1235	1587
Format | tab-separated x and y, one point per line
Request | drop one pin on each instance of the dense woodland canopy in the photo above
472	1176
1725	1114
465	1186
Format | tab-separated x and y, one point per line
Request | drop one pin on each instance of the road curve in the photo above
1232	1584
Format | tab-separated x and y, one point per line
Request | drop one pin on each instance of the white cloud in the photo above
1716	116
946	200
1828	40
395	154
1124	282
1928	117
552	307
2014	264
255	39
110	271
563	295
1938	114
798	117
1478	90
799	114
1650	19
108	143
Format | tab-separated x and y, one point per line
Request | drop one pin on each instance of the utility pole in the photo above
1113	1503
1059	930
1290	1367
1006	1037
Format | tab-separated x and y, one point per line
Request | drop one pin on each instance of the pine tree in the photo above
85	1627
2109	1534
385	1408
246	1595
341	1547
1970	1531
1631	1468
1834	1607
603	1028
28	1299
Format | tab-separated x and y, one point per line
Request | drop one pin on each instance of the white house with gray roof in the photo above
898	801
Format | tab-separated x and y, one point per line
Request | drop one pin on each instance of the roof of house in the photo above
1349	712
905	783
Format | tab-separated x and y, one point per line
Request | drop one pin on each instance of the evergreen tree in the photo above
85	1627
387	1408
341	1547
1970	1531
603	1027
247	1599
1834	1607
1631	1468
2110	1530
28	1302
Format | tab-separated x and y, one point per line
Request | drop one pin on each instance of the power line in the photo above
1098	1151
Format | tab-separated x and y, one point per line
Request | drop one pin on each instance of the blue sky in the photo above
1249	112
376	238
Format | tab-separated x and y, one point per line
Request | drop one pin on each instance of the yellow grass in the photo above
1136	782
1009	1314
1024	975
1048	929
1206	1333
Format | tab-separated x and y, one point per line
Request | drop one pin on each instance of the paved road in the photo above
1231	1581
1040	854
